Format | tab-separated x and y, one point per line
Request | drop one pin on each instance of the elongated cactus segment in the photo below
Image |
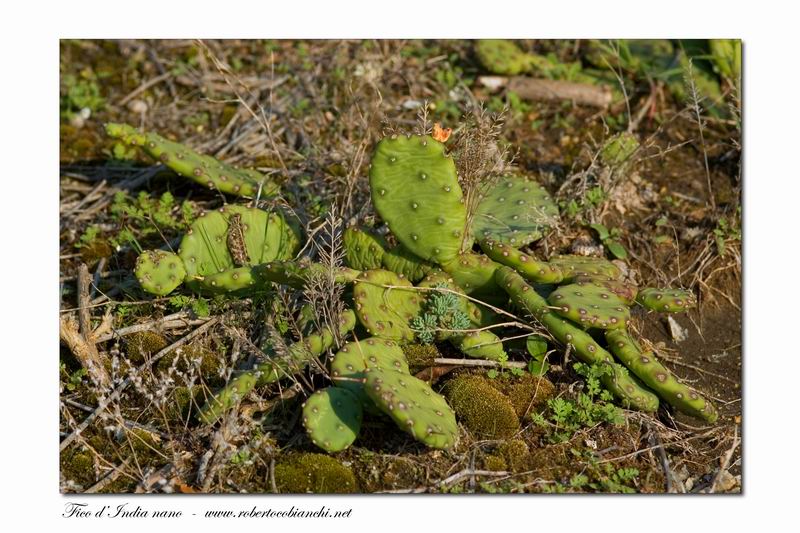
159	272
363	249
413	406
299	355
656	376
203	169
386	304
624	291
415	190
474	273
332	418
401	261
590	305
618	381
515	211
667	300
226	398
577	265
349	365
297	273
530	268
208	247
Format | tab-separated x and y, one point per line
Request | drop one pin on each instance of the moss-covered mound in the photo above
314	472
526	392
483	409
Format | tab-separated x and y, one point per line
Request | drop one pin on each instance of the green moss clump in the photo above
143	345
484	410
420	356
315	473
210	362
525	393
495	463
77	467
500	56
515	454
185	400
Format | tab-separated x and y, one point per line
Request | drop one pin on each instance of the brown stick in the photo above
557	90
85	352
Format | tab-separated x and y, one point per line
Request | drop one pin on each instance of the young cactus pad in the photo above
401	261
590	306
656	376
666	300
159	272
363	249
332	418
514	211
415	190
386	304
203	169
576	265
206	248
350	363
529	267
414	407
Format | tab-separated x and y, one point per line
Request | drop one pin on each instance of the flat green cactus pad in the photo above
575	265
516	211
625	291
590	305
363	250
386	304
415	190
401	261
530	268
667	300
203	169
474	273
349	365
481	345
332	418
207	248
159	272
414	407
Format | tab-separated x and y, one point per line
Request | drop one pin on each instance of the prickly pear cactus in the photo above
656	376
530	268
401	261
386	304
203	169
590	305
666	300
576	265
415	190
363	250
414	407
332	418
481	345
515	211
474	273
218	240
625	291
159	272
350	363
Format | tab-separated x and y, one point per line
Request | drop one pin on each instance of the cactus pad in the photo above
576	265
414	407
203	169
363	249
474	273
481	345
656	376
415	190
666	300
625	291
332	418
206	248
159	272
590	305
529	267
401	261
349	365
514	211
386	304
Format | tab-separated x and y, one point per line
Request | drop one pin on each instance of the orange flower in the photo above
441	134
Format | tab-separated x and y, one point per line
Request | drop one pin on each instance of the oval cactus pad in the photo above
415	190
349	365
386	304
414	407
515	211
332	418
159	272
590	305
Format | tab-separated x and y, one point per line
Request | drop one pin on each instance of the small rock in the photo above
412	104
726	482
679	333
138	106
